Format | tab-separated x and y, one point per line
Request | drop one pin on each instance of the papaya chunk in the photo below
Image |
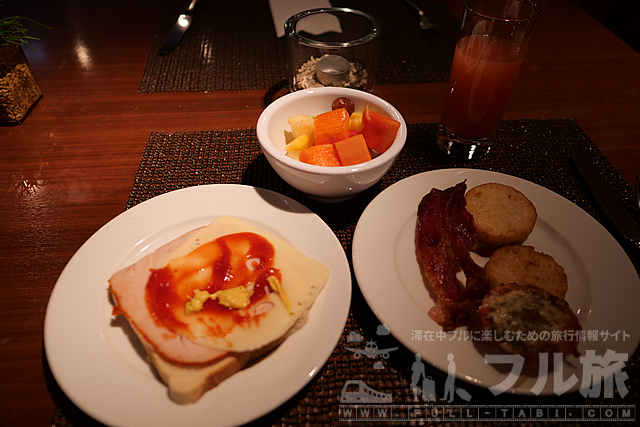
321	155
331	126
379	131
352	151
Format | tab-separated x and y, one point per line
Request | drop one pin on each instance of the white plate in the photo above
104	374
604	288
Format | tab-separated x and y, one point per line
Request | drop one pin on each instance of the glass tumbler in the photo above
331	47
493	40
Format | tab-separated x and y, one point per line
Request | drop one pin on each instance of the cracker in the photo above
502	214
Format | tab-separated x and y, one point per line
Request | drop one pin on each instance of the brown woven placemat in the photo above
233	46
535	150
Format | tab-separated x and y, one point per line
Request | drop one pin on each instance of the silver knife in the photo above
603	192
178	29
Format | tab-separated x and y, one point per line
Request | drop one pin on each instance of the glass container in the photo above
19	91
331	47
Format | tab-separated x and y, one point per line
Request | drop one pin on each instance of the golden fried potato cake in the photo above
502	214
527	320
523	265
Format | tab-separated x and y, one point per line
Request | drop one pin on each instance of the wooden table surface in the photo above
67	170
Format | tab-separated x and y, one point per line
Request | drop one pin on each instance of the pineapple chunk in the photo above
300	143
355	122
288	136
302	125
295	154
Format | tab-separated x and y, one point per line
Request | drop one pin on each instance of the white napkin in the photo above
281	10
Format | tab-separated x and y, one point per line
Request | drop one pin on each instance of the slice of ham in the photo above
128	287
445	235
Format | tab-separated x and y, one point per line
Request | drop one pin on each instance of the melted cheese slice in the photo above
302	280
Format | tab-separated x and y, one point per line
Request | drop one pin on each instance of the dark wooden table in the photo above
67	170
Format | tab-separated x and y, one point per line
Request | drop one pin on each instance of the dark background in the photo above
619	16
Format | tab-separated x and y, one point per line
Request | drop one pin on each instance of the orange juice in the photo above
483	72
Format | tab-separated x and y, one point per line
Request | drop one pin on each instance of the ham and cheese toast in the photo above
207	303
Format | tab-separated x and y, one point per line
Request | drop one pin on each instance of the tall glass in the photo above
493	40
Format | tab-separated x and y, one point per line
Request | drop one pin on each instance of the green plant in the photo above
13	31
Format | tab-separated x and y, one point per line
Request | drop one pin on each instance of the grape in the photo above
343	102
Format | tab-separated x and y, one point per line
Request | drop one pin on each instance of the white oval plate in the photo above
101	369
604	288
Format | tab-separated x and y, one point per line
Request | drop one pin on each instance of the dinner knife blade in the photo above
179	28
603	193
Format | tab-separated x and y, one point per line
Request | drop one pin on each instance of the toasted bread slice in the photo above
523	265
187	383
502	214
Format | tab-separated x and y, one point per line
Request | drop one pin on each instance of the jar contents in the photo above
332	70
307	77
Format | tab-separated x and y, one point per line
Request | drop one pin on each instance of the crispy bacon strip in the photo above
445	234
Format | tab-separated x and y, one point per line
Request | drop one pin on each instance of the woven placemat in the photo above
535	150
233	46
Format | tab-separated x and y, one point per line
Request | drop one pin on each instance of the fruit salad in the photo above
341	136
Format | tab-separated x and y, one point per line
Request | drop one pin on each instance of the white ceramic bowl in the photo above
329	184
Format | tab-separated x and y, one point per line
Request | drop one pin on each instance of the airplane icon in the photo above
371	350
